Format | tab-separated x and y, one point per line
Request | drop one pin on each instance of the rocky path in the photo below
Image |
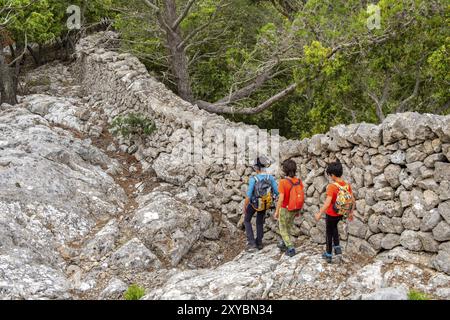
80	218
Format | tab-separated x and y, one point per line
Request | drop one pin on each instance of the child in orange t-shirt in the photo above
334	171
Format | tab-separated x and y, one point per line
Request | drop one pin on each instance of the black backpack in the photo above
262	194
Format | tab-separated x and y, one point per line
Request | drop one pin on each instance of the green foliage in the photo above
45	20
134	292
411	49
42	81
417	295
30	19
132	125
340	89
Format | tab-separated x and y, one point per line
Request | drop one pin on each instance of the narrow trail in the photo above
134	181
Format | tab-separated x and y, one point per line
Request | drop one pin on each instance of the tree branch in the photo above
23	52
224	108
10	9
268	74
371	41
380	102
444	107
401	106
249	89
183	43
161	19
151	5
183	15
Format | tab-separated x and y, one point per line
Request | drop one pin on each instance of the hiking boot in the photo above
251	248
260	246
327	256
290	252
337	250
281	245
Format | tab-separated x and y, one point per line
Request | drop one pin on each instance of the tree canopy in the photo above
300	66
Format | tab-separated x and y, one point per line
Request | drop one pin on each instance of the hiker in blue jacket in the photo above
259	198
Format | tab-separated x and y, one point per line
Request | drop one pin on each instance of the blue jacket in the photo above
261	176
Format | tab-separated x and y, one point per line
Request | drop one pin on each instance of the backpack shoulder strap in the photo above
294	183
344	187
337	185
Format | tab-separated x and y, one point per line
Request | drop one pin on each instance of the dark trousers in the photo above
260	217
332	232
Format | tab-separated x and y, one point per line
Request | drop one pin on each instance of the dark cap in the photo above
262	162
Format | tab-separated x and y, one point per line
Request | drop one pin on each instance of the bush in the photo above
134	292
132	125
417	295
44	81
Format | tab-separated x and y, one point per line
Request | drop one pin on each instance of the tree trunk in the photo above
178	61
36	55
7	83
179	66
13	51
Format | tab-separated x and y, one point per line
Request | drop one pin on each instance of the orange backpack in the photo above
296	196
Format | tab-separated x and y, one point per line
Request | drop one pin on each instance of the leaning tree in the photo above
313	42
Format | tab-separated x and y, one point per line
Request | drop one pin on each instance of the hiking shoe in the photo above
251	248
327	256
260	246
282	246
290	252
337	250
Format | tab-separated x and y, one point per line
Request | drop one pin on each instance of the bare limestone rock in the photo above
168	226
441	171
133	256
398	157
442	231
410	220
444	210
442	262
387	294
357	228
392	173
410	240
430	220
102	243
390	241
428	242
114	289
52	191
390	225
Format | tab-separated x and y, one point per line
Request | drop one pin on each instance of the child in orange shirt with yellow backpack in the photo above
338	205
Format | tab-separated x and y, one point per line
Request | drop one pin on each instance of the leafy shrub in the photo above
43	81
134	292
417	295
132	125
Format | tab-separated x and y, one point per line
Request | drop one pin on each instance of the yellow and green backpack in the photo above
344	203
262	194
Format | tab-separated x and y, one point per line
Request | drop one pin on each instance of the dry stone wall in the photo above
399	170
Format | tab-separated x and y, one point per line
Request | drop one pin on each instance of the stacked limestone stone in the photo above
399	170
400	173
